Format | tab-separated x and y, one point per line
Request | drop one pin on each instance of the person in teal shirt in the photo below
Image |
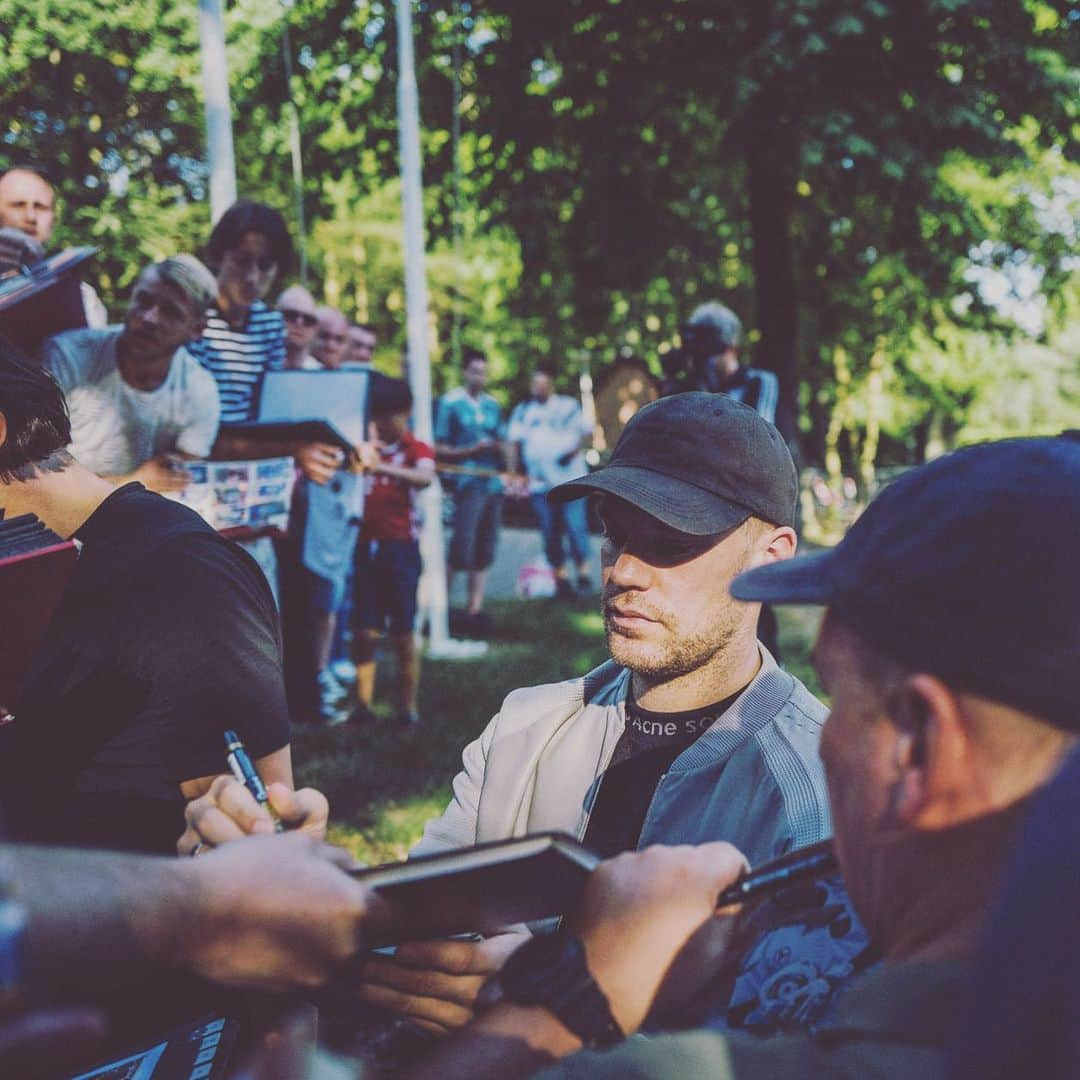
469	432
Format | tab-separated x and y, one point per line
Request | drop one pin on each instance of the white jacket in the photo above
753	778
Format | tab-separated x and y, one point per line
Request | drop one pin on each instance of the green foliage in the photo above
827	169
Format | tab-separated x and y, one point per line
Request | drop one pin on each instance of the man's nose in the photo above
627	570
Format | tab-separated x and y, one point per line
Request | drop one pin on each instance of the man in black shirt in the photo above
166	635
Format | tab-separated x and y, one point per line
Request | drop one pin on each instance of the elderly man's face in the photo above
667	610
362	344
859	749
160	316
331	338
298	309
28	203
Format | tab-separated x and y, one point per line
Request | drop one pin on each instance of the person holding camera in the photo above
709	360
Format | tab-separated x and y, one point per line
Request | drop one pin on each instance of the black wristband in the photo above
551	971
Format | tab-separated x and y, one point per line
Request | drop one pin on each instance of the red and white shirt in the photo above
390	507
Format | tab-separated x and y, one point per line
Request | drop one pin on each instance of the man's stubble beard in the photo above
672	658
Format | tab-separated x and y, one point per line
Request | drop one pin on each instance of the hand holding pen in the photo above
242	767
229	811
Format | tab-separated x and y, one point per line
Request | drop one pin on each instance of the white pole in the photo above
219	139
433	586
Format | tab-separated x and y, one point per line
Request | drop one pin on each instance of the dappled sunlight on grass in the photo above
588	622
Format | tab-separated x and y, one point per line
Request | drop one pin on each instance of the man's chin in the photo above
630	650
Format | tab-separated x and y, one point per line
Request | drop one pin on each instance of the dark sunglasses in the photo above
289	315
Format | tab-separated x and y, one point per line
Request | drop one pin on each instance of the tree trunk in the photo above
769	154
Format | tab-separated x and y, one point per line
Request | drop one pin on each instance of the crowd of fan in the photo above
161	388
948	648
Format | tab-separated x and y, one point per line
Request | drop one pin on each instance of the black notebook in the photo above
35	565
291	431
486	887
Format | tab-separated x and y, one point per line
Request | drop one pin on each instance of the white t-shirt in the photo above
116	428
550	434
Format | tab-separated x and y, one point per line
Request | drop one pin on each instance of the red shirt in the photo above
390	503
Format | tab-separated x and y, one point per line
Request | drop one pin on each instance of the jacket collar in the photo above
757	706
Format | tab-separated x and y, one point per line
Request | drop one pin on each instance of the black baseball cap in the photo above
701	463
969	568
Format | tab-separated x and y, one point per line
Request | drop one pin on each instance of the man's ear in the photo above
774	545
931	751
3	429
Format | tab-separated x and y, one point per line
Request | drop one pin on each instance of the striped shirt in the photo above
238	359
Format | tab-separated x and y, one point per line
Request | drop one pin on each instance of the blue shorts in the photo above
384	589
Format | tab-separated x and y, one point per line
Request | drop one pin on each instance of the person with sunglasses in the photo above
298	309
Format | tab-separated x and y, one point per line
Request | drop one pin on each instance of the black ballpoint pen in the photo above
817	860
244	770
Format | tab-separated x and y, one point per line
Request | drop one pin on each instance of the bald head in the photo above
27	203
331	337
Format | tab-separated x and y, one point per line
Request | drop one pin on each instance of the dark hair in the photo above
38	428
469	355
242	218
366	326
393	397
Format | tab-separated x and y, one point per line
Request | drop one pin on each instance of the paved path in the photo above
516	548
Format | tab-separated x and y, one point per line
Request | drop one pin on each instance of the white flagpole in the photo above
433	586
219	136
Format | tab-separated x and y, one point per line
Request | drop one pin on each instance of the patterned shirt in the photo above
550	433
238	359
463	420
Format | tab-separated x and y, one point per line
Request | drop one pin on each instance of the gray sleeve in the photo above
198	437
769	396
60	363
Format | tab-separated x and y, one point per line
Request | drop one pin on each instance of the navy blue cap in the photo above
968	568
701	463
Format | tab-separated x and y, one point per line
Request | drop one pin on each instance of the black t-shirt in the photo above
650	743
166	635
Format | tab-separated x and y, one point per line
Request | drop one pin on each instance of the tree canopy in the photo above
856	178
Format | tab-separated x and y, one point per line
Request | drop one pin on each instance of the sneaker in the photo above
409	718
584	585
331	694
344	671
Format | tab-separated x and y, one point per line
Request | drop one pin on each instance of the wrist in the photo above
550	972
166	920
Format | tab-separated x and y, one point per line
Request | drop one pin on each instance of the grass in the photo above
385	782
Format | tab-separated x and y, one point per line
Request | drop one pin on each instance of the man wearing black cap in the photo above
949	651
690	733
